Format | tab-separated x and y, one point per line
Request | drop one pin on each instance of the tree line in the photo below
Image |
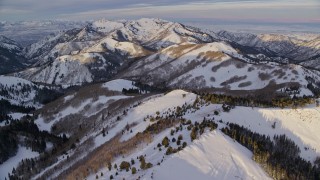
26	133
279	156
281	102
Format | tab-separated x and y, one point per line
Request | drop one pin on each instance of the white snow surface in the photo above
10	81
161	104
149	107
119	84
64	70
300	125
13	162
17	115
17	97
106	26
112	45
213	156
214	66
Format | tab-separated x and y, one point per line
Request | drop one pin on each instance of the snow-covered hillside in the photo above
301	125
213	156
119	84
169	54
18	91
297	48
11	56
116	120
23	153
65	70
216	65
157	33
20	97
116	42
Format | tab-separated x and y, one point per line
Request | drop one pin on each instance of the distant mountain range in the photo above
168	54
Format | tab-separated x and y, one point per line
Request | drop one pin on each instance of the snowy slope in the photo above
142	31
213	156
152	105
106	26
215	65
160	104
166	53
301	125
123	48
13	162
297	48
18	91
49	47
65	70
119	84
157	33
11	56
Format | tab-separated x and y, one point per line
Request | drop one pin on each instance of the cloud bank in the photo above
273	11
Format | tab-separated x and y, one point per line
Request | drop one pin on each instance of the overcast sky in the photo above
269	11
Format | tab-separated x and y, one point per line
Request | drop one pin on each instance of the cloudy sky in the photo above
268	11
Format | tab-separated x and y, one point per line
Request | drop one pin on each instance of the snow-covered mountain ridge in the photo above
106	122
297	49
163	53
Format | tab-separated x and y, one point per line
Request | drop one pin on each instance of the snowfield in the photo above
152	106
119	84
13	162
106	26
300	125
62	71
16	96
213	156
12	81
